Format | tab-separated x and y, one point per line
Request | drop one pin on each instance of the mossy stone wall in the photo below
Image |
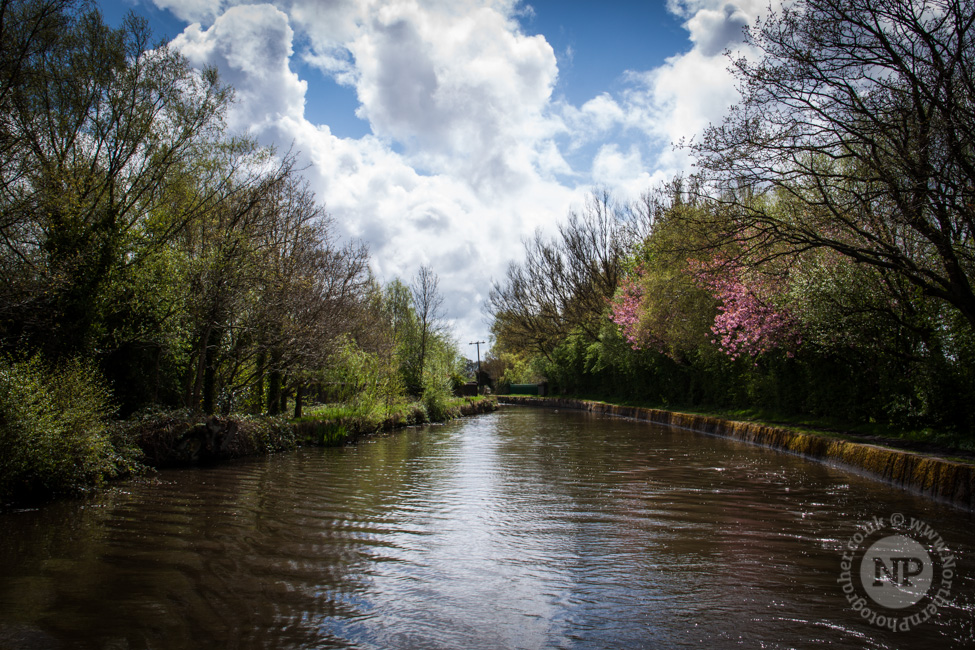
945	480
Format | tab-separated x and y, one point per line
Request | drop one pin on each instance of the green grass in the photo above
331	424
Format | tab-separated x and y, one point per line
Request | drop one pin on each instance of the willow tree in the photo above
860	117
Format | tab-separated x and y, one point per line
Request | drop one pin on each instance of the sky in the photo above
446	132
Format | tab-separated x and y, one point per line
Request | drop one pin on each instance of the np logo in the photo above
896	573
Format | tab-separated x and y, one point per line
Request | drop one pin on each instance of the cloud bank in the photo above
469	151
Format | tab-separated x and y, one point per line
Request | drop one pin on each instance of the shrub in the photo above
437	403
165	438
54	438
262	435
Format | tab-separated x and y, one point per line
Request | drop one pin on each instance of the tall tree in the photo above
862	115
27	31
428	305
99	128
313	290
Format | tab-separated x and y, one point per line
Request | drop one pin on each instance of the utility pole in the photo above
478	344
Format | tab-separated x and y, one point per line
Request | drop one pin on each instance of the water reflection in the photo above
522	529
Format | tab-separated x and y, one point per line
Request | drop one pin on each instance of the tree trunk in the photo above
274	384
193	403
210	373
259	383
274	392
299	399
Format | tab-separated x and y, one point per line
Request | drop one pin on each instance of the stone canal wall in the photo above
938	478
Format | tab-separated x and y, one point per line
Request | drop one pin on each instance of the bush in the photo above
262	435
54	438
437	403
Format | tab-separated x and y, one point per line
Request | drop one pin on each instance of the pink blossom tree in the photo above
660	307
626	310
747	322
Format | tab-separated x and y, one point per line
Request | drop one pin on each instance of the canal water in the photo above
525	528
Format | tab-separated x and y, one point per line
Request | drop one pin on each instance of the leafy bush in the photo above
262	435
54	437
162	438
437	403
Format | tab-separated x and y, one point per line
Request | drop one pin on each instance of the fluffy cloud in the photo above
464	97
192	10
624	172
465	94
714	30
468	150
676	101
251	45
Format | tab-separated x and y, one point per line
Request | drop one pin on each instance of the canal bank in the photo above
155	440
331	431
169	440
938	478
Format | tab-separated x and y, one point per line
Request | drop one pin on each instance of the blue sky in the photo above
445	132
596	42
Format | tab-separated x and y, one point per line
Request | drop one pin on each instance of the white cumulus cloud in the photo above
713	30
192	11
251	45
468	152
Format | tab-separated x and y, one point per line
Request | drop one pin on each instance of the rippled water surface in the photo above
520	529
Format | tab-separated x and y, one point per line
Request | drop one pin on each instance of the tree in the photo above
28	29
855	133
660	305
428	306
190	266
224	251
98	129
564	284
312	289
273	291
748	320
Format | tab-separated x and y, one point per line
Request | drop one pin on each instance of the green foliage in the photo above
676	312
512	368
437	401
364	383
400	316
54	438
874	348
163	438
257	435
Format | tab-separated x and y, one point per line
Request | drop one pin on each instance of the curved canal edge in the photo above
323	431
938	478
180	440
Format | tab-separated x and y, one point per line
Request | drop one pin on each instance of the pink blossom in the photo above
625	310
746	322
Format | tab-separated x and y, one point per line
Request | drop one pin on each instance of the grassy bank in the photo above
48	451
332	424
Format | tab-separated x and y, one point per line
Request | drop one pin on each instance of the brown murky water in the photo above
521	529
